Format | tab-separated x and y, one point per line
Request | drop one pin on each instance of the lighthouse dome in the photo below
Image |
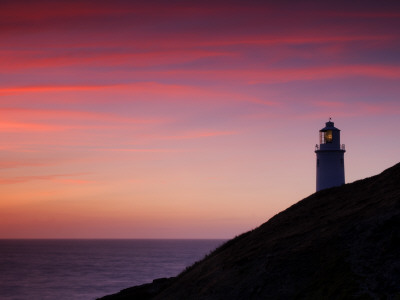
329	126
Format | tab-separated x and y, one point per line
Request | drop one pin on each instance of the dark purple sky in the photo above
185	119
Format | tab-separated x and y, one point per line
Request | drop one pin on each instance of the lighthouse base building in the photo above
330	158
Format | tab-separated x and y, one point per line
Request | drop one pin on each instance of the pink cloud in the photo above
278	75
378	108
138	92
47	88
170	51
42	120
24	126
186	135
138	150
24	60
313	73
197	135
9	163
52	177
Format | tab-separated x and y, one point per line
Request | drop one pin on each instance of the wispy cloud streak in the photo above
65	178
133	107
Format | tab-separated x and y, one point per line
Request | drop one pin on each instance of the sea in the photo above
89	269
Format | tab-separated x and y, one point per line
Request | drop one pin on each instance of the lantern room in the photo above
325	137
329	136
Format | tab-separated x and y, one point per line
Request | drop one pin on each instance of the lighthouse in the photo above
330	157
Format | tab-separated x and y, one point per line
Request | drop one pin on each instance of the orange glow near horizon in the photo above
153	120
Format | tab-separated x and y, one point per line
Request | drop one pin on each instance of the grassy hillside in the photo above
339	243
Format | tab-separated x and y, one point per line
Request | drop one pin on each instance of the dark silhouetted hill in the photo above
339	243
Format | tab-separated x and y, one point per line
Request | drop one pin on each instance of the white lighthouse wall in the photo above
330	169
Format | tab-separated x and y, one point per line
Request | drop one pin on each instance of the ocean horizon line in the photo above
111	239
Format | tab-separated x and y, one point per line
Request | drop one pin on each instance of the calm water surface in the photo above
87	269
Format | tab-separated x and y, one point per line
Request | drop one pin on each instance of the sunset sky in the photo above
185	119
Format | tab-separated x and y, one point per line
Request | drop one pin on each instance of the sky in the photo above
185	119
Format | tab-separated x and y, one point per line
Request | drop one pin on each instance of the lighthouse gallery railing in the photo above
342	147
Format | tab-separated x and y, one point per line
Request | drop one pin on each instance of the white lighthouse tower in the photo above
330	157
